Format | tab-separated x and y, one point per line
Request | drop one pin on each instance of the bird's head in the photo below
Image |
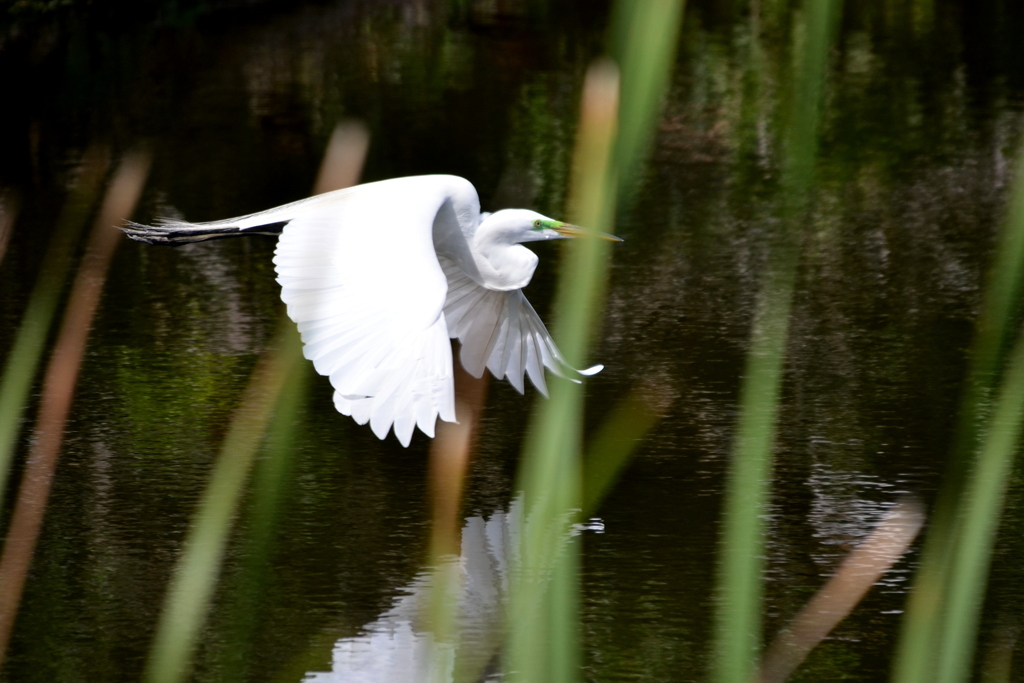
521	225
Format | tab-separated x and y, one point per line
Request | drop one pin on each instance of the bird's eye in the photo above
536	223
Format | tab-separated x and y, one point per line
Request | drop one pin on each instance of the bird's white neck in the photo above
483	245
502	264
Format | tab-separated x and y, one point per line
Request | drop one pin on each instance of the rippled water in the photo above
921	119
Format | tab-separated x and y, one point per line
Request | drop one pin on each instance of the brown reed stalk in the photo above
343	161
861	569
59	388
341	168
19	368
450	454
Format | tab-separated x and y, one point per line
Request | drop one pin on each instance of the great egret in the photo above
379	276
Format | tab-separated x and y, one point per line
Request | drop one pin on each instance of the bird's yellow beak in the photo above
577	231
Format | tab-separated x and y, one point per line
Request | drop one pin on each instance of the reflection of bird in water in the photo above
380	276
399	647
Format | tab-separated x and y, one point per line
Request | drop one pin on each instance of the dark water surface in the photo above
920	123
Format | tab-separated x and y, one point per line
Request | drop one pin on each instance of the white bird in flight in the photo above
379	276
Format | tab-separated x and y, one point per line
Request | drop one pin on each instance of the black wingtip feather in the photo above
177	234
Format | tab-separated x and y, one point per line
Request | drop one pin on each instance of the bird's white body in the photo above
379	276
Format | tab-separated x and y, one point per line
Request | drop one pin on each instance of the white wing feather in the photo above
500	331
376	304
362	281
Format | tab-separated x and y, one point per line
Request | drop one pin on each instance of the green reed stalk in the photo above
645	34
924	628
271	479
739	582
341	167
195	575
543	639
30	340
982	507
617	437
738	628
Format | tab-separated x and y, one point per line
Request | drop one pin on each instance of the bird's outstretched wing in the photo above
363	283
500	331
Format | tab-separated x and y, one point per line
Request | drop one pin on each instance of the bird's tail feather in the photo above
178	233
269	222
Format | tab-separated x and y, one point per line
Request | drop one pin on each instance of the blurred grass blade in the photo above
861	569
30	340
270	483
543	639
919	638
738	632
645	34
982	506
59	388
997	666
617	437
195	576
592	204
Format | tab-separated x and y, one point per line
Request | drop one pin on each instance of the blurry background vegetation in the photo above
921	117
